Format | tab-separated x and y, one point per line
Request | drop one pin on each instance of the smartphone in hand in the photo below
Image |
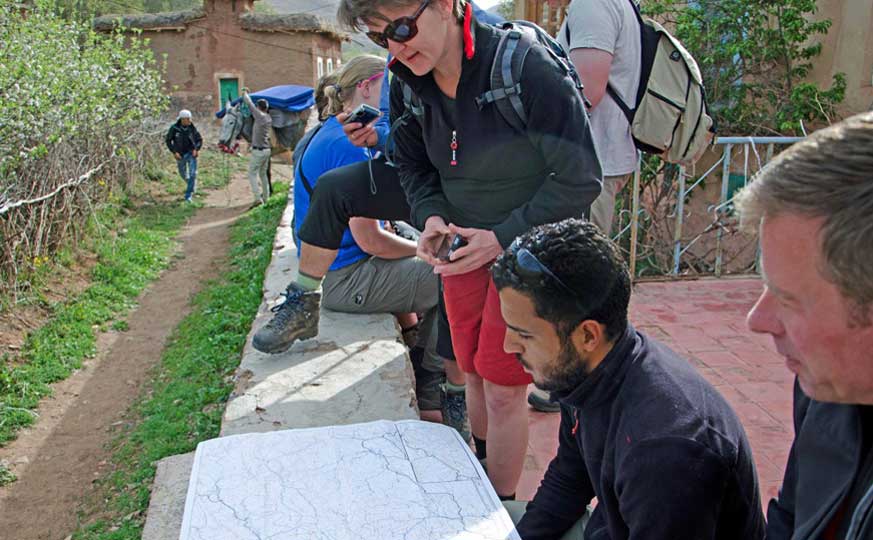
363	114
449	246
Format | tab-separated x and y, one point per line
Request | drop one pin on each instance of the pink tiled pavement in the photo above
704	321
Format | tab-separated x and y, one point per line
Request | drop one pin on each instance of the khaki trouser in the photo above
516	510
408	285
258	164
603	207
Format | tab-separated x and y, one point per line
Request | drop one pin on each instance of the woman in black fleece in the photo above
467	172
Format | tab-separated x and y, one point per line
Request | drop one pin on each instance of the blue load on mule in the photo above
290	106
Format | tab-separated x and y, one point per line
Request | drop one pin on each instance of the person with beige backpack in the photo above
646	93
603	42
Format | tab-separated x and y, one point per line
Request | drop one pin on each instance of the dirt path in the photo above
58	458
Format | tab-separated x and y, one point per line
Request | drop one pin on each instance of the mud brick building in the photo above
211	52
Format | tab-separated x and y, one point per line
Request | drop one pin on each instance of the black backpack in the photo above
297	158
505	93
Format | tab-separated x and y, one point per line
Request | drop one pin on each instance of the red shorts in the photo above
478	329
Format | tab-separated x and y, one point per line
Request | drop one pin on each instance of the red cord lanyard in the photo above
469	51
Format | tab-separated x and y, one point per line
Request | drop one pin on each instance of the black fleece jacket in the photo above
658	446
823	467
183	139
504	180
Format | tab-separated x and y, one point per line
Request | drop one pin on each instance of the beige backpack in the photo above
670	117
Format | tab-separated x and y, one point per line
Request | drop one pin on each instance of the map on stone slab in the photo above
405	480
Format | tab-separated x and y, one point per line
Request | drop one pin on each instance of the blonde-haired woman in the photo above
350	91
374	271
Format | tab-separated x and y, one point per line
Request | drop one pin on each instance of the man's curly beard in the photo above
566	373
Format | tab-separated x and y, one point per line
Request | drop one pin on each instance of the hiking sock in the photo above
481	452
506	497
308	282
455	389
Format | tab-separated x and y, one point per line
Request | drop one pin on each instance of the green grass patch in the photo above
127	261
186	398
6	476
214	170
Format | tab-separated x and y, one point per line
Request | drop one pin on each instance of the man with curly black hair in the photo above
640	430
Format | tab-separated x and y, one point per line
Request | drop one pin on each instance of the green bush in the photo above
755	57
74	111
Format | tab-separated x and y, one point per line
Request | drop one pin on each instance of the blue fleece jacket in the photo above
329	149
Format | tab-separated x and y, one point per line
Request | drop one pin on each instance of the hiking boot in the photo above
295	318
453	405
540	401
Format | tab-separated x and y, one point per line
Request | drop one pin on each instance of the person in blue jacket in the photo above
375	270
359	190
365	189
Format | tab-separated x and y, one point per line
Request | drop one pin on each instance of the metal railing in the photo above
683	239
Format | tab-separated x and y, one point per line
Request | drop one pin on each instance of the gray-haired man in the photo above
260	160
813	206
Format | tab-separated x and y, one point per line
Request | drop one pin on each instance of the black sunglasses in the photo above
529	267
399	30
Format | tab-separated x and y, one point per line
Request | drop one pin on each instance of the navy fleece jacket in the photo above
658	446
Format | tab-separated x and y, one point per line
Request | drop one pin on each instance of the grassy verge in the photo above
127	263
132	245
185	402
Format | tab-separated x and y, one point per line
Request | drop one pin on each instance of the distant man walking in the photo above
260	148
184	141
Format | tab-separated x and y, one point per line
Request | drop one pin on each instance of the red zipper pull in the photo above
576	427
454	147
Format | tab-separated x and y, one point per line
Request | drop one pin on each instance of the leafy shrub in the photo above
74	110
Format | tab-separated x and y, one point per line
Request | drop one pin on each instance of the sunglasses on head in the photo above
399	30
371	78
529	268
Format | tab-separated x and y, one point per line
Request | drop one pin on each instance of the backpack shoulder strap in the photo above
505	91
412	106
411	102
637	10
613	93
305	181
628	112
